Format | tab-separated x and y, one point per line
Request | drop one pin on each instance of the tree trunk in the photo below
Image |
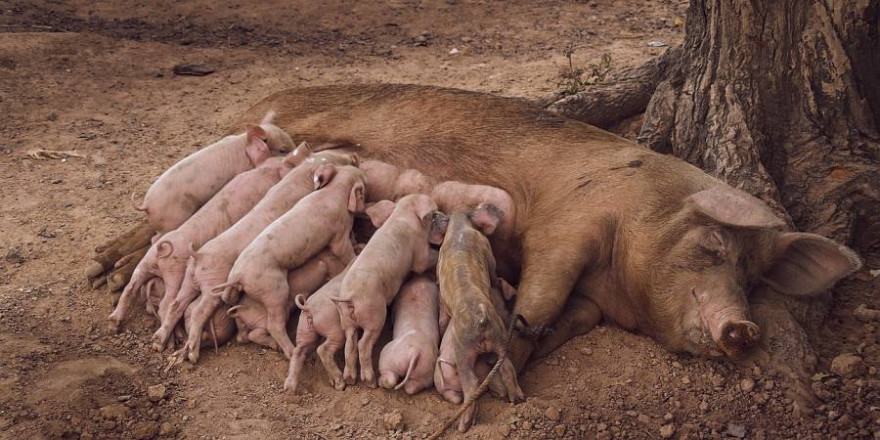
780	98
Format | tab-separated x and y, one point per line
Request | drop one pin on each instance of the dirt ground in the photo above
96	77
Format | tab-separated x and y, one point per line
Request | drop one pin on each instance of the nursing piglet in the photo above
413	350
321	219
466	270
215	259
401	245
168	258
387	182
182	189
319	319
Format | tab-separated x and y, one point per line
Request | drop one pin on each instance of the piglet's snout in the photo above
737	337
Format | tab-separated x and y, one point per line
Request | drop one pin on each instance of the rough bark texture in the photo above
625	94
780	98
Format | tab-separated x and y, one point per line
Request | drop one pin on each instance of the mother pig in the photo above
602	224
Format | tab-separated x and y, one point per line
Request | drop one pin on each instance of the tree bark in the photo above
780	98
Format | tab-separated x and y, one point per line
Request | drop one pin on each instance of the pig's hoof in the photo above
339	385
349	378
114	324
193	355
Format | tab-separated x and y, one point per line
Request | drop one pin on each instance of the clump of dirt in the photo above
96	78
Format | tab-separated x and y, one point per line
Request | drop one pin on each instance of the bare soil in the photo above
96	77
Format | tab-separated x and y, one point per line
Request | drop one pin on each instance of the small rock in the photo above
747	384
123	398
560	430
667	430
847	365
643	418
657	44
601	427
736	430
676	364
185	418
156	393
55	181
768	385
52	117
686	380
166	429
113	412
864	314
717	380
192	70
586	351
552	413
453	51
632	413
144	430
668	417
393	421
14	257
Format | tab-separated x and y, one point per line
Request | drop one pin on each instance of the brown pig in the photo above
321	219
401	245
215	259
168	257
319	319
413	351
182	189
466	270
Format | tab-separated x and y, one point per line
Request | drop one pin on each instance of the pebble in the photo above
736	430
601	427
144	430
123	398
768	385
13	256
717	380
643	418
156	393
393	421
686	380
747	384
559	429
552	413
865	314
668	417
166	429
847	365
113	412
667	430
586	351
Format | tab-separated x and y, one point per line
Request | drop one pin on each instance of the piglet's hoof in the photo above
338	385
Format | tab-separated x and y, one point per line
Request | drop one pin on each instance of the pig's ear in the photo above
255	131
808	264
356	198
323	175
256	149
732	207
487	217
379	212
437	223
356	160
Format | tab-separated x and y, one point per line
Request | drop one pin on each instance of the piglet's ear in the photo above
379	212
356	198
323	175
808	264
437	224
255	131
298	156
732	207
356	160
487	217
256	149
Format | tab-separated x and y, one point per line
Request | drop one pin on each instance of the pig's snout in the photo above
737	337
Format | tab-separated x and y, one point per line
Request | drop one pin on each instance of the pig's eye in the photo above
716	256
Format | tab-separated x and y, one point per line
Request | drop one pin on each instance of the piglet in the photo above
321	219
168	258
446	379
221	326
452	196
413	350
250	315
214	260
466	270
400	245
319	319
182	189
388	182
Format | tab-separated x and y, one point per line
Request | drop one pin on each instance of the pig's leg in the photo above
262	337
551	268
469	385
188	292
200	316
349	372
306	340
125	244
581	314
140	276
327	353
173	281
365	354
122	273
276	319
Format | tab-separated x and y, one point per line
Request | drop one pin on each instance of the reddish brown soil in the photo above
96	77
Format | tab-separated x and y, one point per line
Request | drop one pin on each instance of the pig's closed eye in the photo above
716	256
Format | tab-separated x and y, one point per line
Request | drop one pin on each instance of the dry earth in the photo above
96	77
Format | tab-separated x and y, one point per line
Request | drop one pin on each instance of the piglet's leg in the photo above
349	372
306	340
127	298
276	319
327	353
260	336
200	316
365	353
187	294
469	384
173	281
